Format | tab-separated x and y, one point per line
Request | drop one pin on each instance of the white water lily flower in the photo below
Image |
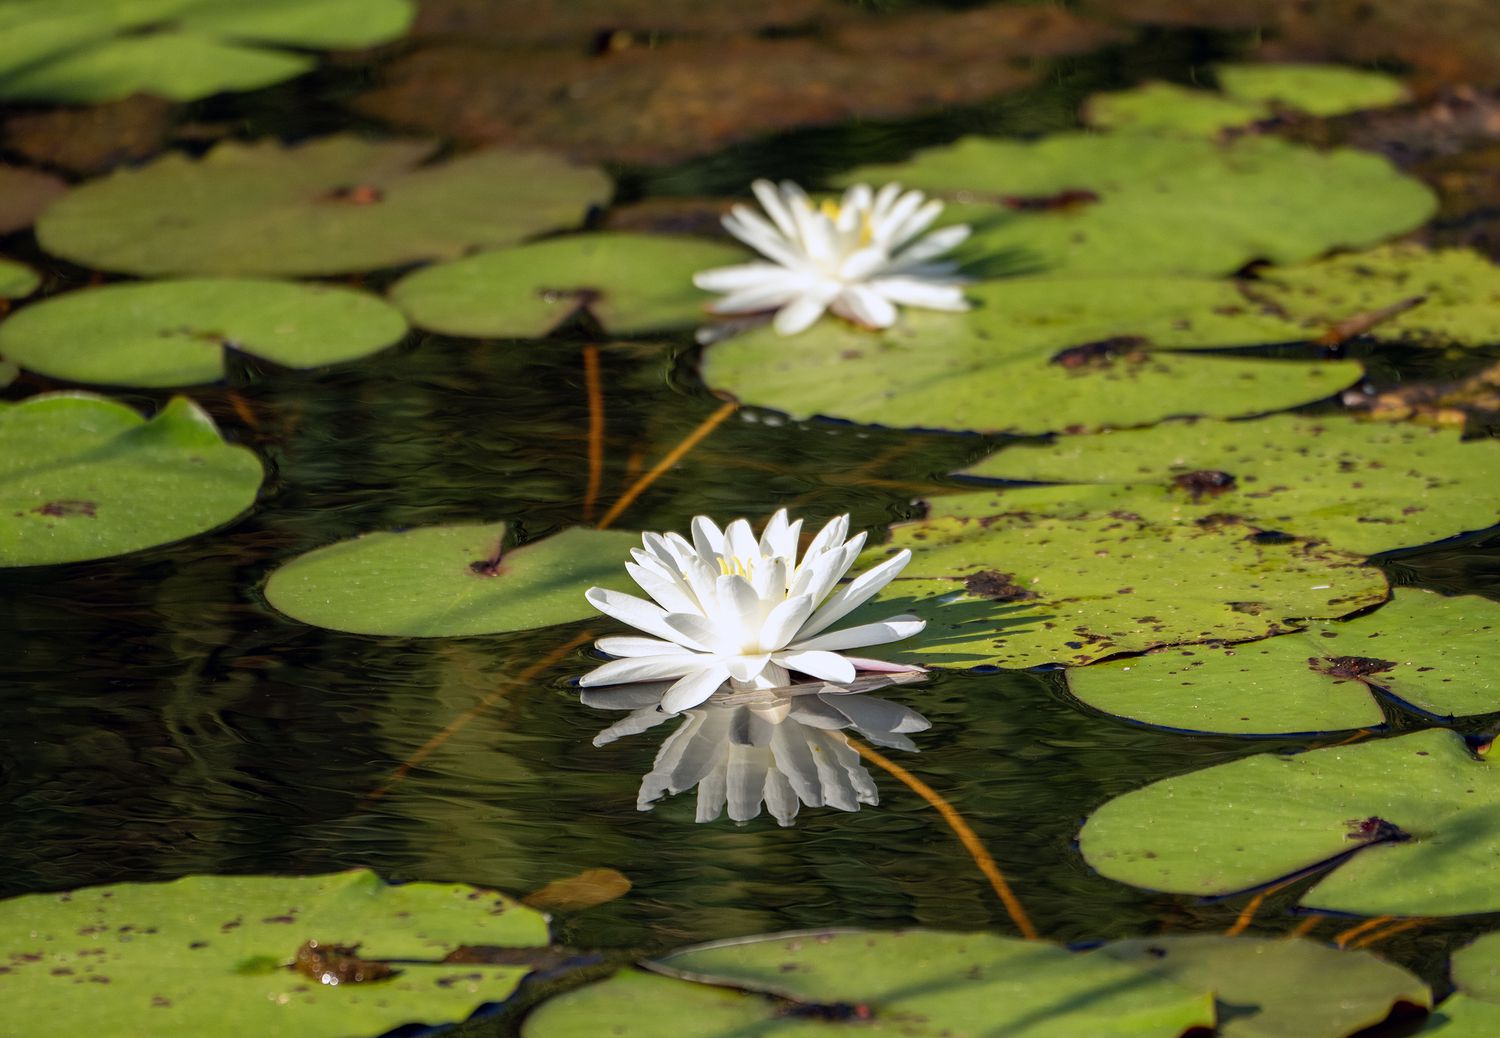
781	748
860	257
728	609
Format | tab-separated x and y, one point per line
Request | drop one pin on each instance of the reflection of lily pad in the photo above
1441	655
1456	294
998	371
629	283
1362	486
80	54
23	194
1162	204
17	280
174	333
916	982
82	477
1408	825
214	955
328	206
1018	591
444	581
1279	988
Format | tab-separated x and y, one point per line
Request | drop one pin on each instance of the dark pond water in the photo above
160	719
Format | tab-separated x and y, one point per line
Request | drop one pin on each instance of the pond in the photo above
1222	411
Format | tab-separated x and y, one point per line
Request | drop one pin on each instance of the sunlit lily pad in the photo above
1169	108
1361	486
1142	204
174	333
629	283
230	954
1279	988
915	983
1019	591
1439	655
1476	968
17	280
23	194
82	477
80	54
1455	292
324	207
1407	826
446	581
999	370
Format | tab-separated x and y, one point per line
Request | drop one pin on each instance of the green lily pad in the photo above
1440	655
1019	591
1458	289
629	283
190	49
1407	826
23	194
173	333
999	370
1169	108
17	280
1476	968
1164	205
1320	90
1359	485
83	477
328	206
1460	1016
1279	988
215	954
916	983
441	581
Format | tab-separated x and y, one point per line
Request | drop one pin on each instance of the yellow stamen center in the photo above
737	567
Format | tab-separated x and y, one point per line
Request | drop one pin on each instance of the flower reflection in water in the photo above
781	747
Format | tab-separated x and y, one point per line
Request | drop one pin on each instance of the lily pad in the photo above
1145	204
1439	655
327	206
23	194
17	280
182	50
1405	826
1279	988
1476	968
629	283
994	370
1359	485
1019	591
174	333
289	956
1169	108
83	477
918	983
449	581
1450	297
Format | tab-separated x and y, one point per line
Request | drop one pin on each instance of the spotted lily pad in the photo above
1448	297
17	280
1359	485
996	369
23	194
629	283
1169	108
1439	655
1279	988
1019	591
1405	826
279	955
328	206
1143	204
446	581
173	333
918	983
82	477
178	49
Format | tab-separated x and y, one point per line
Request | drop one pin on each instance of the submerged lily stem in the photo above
594	389
1343	939
961	829
1307	925
672	457
457	724
1247	914
1388	931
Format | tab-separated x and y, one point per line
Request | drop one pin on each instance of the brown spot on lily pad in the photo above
64	507
335	964
1102	353
1204	483
1355	668
996	586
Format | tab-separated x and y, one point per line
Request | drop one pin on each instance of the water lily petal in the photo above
751	229
631	645
746	668
708	539
694	689
771	201
647	668
671	595
625	697
916	223
693	630
854	594
800	313
914	292
628	609
784	621
739	541
892	630
829	666
863	305
945	239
